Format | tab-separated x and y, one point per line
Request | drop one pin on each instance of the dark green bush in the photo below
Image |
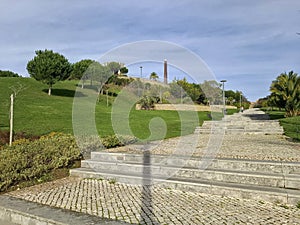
27	160
30	160
117	141
94	143
147	102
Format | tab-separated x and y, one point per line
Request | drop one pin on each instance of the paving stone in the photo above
168	206
236	145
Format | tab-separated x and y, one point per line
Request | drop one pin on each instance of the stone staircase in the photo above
252	121
274	181
263	180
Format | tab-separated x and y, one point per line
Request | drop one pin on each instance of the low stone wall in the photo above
186	107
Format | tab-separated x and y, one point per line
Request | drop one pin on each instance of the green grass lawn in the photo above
291	125
37	113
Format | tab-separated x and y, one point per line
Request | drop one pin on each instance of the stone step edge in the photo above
270	194
273	131
24	212
242	132
239	128
161	156
288	181
194	169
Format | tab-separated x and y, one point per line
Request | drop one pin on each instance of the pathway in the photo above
125	202
156	205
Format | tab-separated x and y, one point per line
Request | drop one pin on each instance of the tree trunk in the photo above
49	90
107	98
11	119
98	91
82	85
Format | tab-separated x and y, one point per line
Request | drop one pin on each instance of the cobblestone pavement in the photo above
239	146
138	205
234	145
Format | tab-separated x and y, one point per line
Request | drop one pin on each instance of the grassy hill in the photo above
37	113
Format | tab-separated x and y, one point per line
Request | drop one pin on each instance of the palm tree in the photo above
286	92
153	76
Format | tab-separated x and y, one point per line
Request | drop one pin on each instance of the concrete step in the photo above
259	166
272	194
240	124
228	176
238	131
261	129
237	128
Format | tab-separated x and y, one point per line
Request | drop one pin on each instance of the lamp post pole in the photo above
240	101
224	109
141	71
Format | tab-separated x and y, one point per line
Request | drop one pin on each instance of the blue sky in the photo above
247	43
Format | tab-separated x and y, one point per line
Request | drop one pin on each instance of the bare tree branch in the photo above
18	88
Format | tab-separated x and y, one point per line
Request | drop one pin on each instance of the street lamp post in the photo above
240	101
224	109
141	71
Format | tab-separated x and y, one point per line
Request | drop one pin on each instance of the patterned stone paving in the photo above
152	205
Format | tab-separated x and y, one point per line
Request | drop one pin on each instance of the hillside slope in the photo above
37	113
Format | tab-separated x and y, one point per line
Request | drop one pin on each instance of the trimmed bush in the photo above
89	144
147	102
27	160
117	141
30	160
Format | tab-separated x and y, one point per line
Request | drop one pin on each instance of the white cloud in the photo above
233	37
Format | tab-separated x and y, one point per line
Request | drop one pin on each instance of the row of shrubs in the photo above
32	159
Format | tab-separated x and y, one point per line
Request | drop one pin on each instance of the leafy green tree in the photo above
286	92
212	91
49	67
114	67
230	100
147	86
202	99
153	76
177	91
273	102
193	90
166	95
231	96
98	73
7	73
78	70
123	70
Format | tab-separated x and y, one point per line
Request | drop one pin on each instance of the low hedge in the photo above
26	160
30	160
